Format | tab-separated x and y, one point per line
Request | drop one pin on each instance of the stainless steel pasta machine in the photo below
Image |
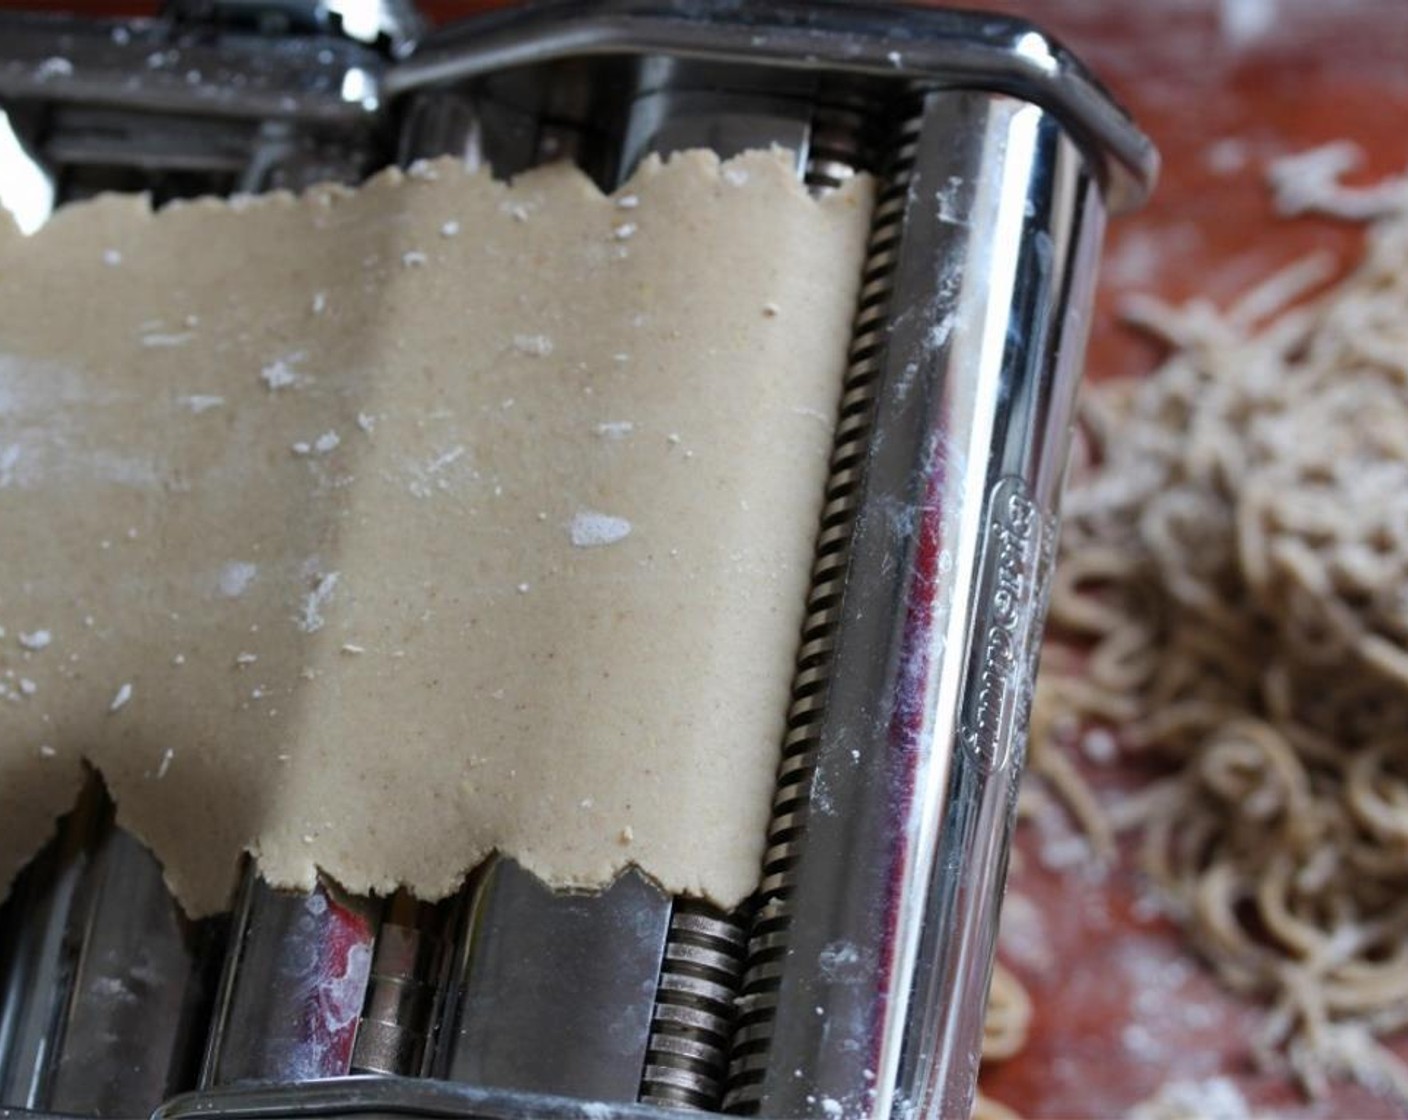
853	982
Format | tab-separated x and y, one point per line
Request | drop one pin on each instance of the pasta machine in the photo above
853	982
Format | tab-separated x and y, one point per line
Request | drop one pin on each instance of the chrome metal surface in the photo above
295	982
398	23
156	66
398	1096
669	120
102	977
694	1008
177	111
36	959
899	864
843	142
951	49
541	973
443	123
141	981
408	970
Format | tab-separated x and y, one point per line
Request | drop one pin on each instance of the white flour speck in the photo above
628	201
325	443
53	67
123	694
837	959
1226	156
366	422
165	764
949	199
450	229
523	589
202	402
625	231
320	304
310	620
615	429
353	650
341	1000
235	578
1099	745
939	334
46	751
9	460
1244	22
735	176
246	658
28	687
179	659
159	341
535	345
440	462
37	640
591	530
280	374
414	258
427	477
1217	1098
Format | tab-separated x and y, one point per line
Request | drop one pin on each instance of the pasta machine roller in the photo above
853	982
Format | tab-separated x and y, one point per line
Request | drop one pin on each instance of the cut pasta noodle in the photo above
1005	1030
1009	1017
1236	571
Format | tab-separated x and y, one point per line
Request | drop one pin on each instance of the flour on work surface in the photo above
376	554
1216	1098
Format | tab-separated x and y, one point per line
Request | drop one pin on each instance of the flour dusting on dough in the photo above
432	526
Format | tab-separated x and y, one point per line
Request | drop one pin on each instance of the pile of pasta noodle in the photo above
1232	600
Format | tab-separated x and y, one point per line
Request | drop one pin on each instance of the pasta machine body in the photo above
853	982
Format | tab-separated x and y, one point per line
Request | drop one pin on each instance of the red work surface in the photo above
1121	1005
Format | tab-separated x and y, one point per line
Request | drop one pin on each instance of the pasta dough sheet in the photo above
375	530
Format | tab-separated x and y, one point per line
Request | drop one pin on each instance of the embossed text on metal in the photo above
1010	598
